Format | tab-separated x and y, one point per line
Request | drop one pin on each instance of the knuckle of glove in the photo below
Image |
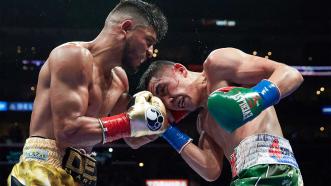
155	101
142	96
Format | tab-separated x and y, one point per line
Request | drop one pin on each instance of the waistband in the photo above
261	149
42	150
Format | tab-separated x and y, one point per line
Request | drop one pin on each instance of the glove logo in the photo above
154	119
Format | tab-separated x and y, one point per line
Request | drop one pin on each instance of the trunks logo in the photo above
274	149
80	166
154	119
36	154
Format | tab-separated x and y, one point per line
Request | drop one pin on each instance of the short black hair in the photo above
148	12
152	71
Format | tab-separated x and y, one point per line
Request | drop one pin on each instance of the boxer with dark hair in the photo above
236	93
79	86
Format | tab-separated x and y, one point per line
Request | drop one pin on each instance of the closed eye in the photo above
160	90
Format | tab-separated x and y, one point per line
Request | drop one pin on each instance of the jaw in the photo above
200	98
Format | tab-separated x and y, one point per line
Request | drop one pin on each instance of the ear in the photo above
126	25
180	68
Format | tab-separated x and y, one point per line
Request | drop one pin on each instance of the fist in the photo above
232	107
147	115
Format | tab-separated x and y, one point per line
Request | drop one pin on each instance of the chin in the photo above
192	106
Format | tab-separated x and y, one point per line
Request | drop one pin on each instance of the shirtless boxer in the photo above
79	85
238	123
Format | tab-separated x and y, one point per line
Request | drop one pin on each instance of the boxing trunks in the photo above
264	159
42	163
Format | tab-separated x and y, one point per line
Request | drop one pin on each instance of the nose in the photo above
150	51
169	102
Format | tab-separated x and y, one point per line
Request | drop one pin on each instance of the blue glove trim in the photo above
176	138
268	91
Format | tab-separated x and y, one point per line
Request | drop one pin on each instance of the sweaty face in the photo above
138	47
173	92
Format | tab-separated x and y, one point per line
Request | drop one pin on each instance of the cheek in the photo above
167	103
171	106
194	98
139	41
134	44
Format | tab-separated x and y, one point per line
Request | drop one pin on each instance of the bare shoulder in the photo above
77	55
71	59
222	57
221	64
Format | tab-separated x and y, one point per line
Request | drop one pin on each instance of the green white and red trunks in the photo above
264	159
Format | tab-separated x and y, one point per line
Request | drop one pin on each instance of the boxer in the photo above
236	93
79	86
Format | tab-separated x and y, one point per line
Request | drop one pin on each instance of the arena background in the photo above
296	32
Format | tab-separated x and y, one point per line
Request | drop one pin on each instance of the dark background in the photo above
297	32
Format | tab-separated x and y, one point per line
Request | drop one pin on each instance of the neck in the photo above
200	81
106	50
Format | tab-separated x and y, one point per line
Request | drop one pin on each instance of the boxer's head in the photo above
173	83
139	26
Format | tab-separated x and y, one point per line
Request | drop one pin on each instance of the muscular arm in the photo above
238	67
206	160
71	73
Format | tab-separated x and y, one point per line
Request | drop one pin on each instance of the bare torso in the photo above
266	122
103	98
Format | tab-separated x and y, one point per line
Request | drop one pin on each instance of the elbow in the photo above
132	143
64	136
209	169
134	146
299	78
296	76
211	173
212	176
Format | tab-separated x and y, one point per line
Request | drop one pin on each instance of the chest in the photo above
207	124
103	99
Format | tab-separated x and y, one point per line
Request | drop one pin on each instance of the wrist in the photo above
269	92
115	127
176	138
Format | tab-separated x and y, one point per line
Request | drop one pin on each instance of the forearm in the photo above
138	121
80	131
201	162
287	79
